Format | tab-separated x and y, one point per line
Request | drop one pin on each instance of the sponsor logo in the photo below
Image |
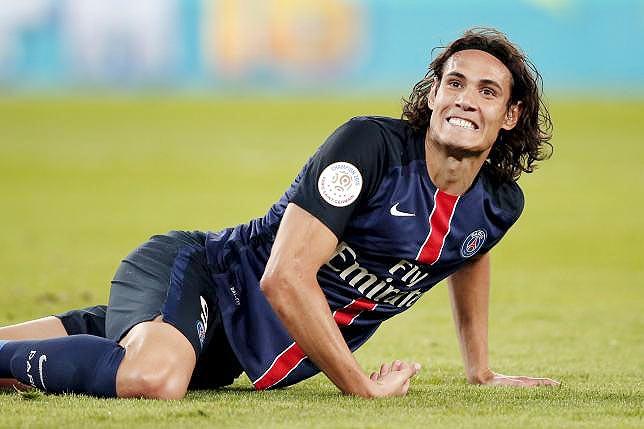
473	243
395	212
29	376
41	362
397	292
340	184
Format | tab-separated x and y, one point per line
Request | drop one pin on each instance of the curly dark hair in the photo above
517	150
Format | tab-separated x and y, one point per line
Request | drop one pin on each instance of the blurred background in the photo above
581	46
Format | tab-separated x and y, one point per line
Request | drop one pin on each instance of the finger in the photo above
397	365
405	387
400	366
522	381
505	380
385	369
548	382
408	371
541	382
412	367
528	381
374	376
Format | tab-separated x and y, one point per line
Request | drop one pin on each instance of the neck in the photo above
452	170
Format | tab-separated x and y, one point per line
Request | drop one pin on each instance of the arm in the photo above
469	290
290	284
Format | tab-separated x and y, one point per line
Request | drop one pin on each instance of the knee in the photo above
152	382
153	379
158	363
155	385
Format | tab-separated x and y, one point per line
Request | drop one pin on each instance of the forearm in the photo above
473	344
302	245
469	290
469	294
303	309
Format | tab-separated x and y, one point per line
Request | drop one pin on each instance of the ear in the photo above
512	116
431	97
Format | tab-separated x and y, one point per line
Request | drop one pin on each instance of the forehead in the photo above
478	65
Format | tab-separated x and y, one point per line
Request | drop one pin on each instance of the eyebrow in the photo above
489	82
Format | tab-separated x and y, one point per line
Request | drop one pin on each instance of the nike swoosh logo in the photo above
395	212
41	362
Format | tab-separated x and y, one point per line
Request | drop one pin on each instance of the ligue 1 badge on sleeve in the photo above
473	243
340	184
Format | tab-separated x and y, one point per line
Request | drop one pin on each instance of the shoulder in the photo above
384	126
379	128
388	137
359	129
506	196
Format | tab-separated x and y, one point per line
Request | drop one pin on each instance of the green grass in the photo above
82	182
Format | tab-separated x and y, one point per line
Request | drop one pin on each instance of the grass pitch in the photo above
84	181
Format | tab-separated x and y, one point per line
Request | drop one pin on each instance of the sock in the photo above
73	364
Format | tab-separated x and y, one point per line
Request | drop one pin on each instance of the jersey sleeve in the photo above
510	201
342	174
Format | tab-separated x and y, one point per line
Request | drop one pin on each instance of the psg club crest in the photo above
473	243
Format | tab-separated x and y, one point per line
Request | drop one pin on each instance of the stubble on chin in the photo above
450	146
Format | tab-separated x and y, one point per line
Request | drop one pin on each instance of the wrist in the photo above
370	389
483	376
361	386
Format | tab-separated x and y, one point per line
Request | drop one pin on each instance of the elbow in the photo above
284	284
268	284
276	283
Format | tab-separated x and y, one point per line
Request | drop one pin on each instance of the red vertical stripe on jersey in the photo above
439	225
290	358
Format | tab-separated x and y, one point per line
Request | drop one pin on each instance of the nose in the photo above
465	101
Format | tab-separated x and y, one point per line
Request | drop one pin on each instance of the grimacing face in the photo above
470	103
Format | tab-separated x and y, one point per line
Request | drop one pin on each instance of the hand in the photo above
394	379
494	379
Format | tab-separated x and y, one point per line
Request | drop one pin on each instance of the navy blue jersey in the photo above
398	236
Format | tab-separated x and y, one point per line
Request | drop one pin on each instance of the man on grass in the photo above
381	213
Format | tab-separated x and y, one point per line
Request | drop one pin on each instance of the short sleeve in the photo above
342	174
509	201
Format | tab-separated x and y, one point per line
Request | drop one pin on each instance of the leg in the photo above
154	360
71	364
167	275
39	329
89	320
47	327
158	362
163	310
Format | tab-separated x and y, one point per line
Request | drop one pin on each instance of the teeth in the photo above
464	123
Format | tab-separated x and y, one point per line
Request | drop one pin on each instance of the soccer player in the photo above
381	213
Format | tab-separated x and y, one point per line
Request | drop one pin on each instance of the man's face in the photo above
469	104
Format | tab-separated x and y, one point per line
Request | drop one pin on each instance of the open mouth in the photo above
462	123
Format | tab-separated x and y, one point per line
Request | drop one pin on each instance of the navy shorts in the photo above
169	276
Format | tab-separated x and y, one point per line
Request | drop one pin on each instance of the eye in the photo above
454	84
488	92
